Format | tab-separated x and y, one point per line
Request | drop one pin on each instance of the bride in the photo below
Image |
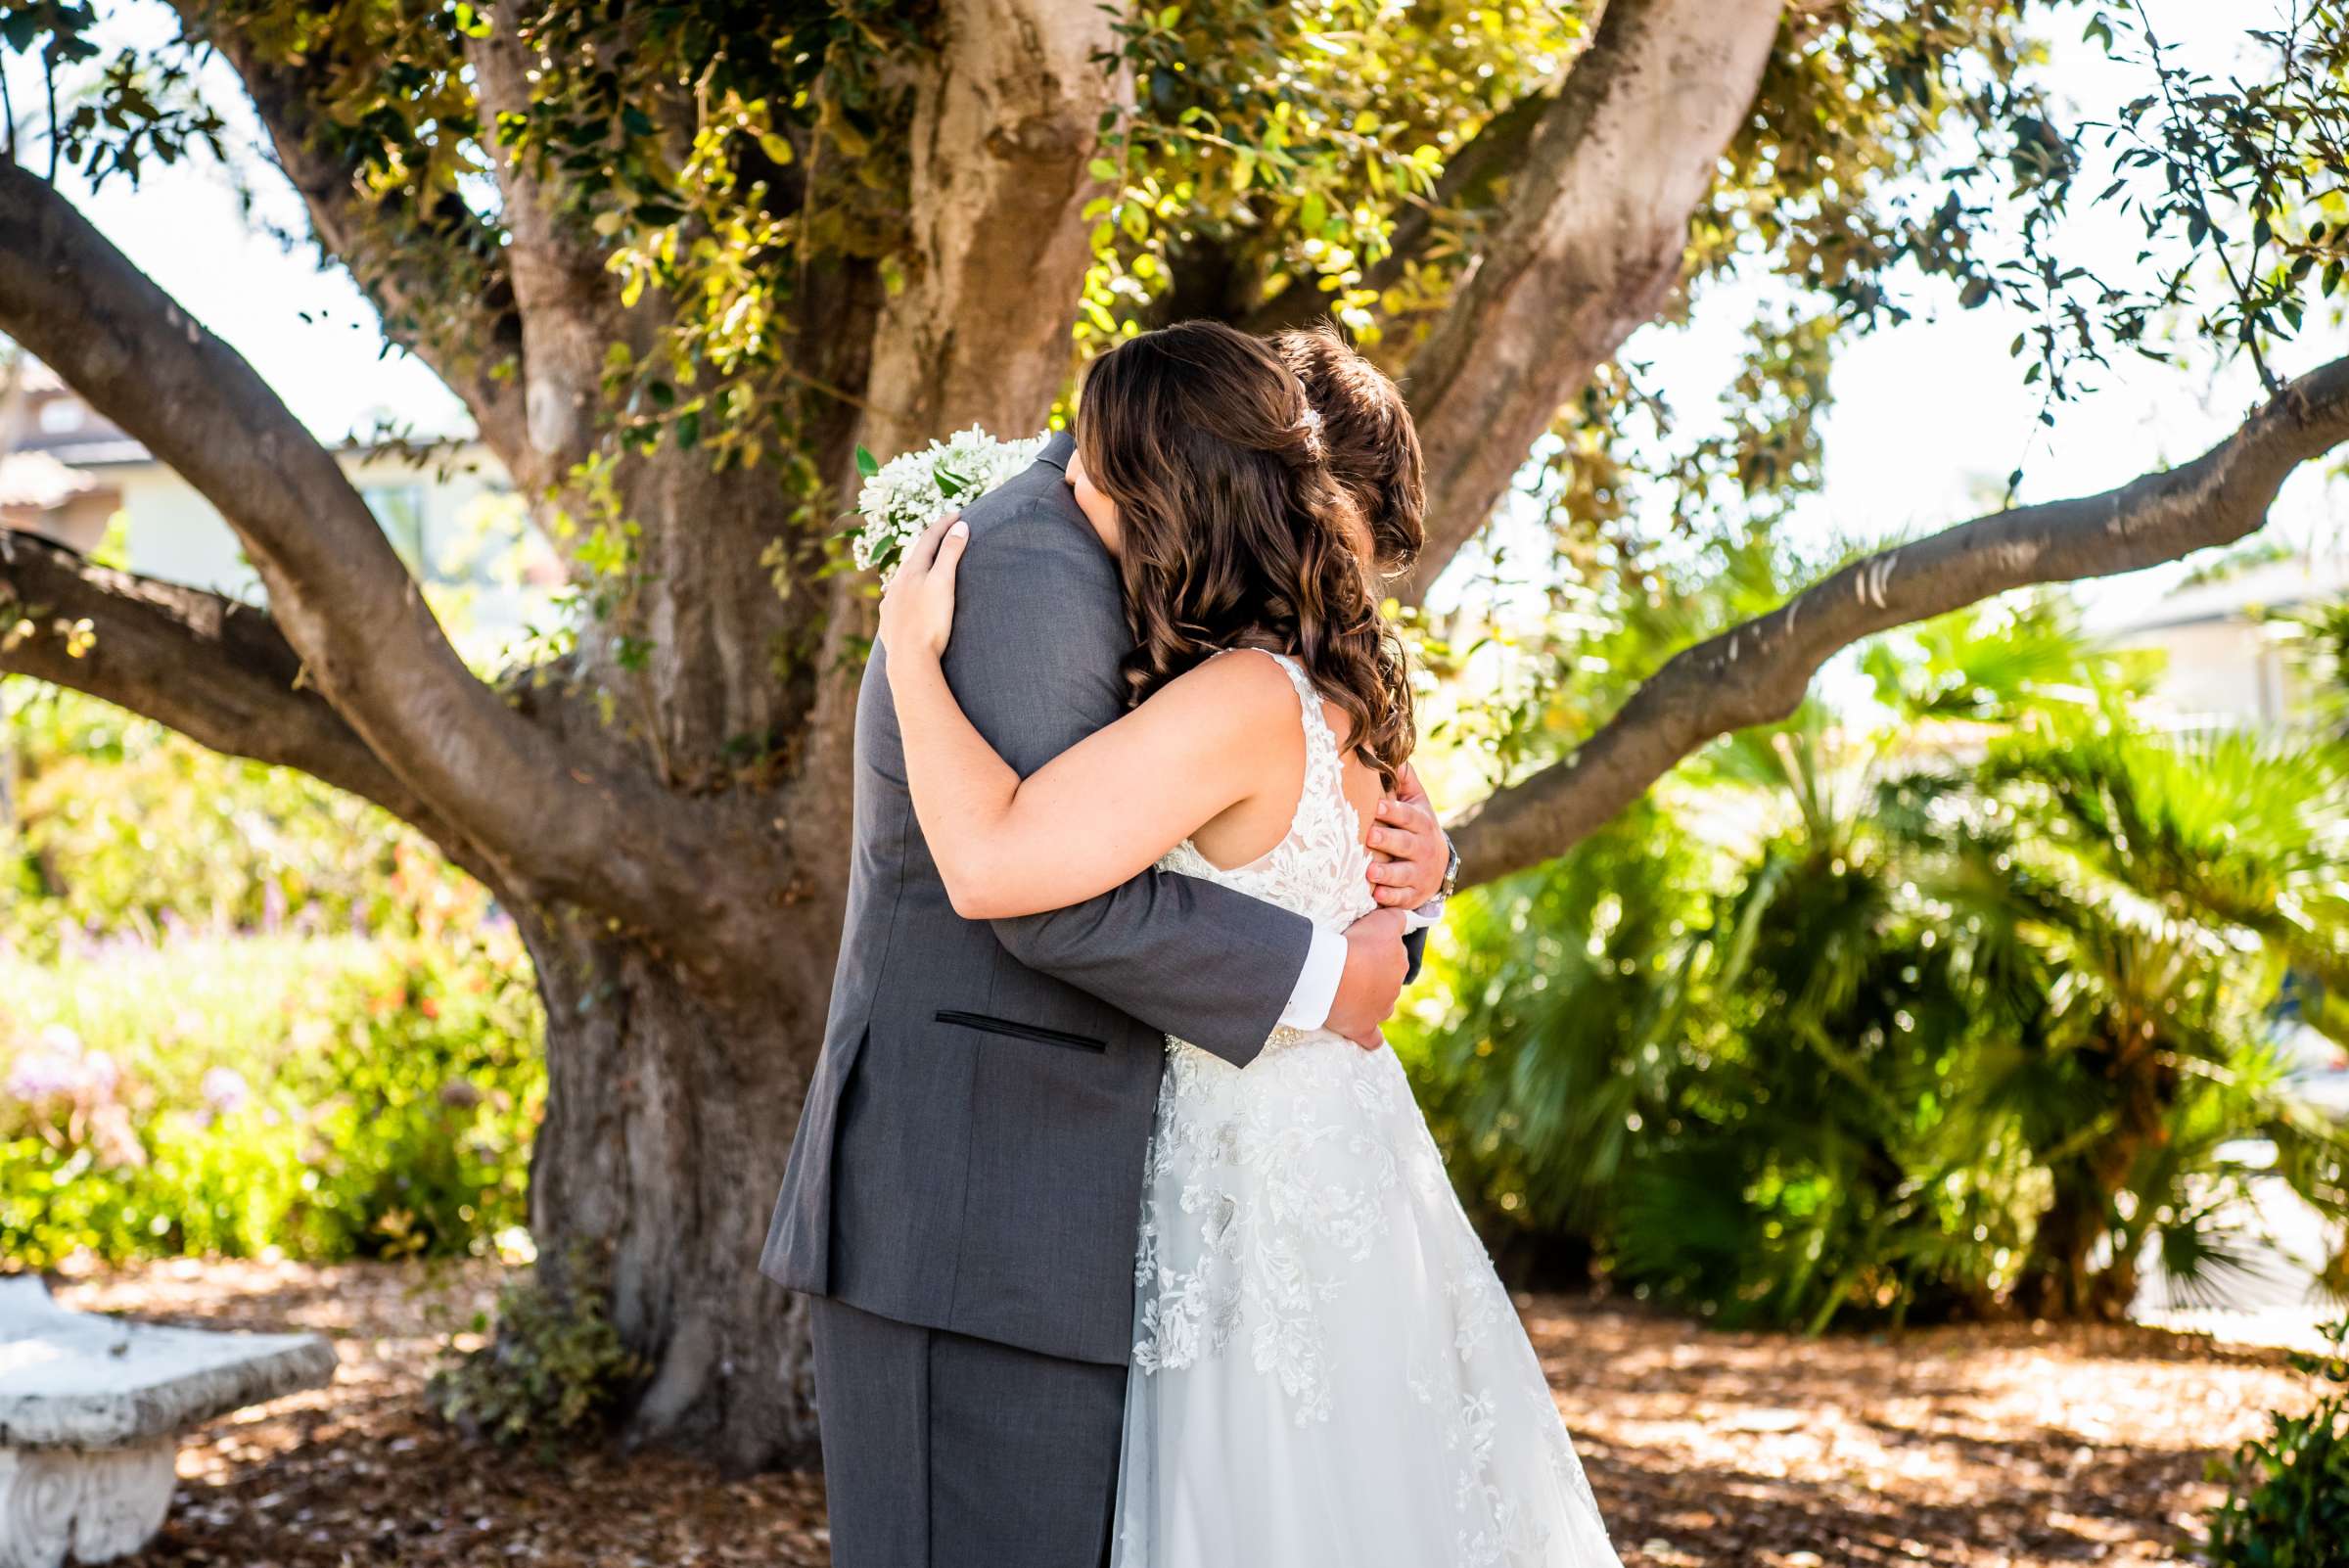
1325	1370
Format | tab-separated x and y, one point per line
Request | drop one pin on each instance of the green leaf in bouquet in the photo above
866	463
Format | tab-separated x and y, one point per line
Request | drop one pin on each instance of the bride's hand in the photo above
917	612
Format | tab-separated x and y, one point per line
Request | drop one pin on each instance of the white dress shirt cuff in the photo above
1316	989
1427	915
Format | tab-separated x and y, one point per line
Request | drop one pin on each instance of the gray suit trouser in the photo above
1033	1441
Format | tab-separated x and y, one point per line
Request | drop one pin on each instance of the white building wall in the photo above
451	518
2228	671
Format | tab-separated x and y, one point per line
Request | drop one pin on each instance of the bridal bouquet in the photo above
908	493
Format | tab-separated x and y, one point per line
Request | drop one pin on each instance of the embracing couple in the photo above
1128	1243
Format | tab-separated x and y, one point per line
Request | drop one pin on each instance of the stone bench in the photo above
92	1410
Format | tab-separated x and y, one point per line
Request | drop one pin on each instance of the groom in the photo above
965	1187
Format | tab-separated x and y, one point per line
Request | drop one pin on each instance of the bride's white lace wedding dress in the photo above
1326	1371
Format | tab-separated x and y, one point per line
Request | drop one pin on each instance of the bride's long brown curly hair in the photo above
1233	531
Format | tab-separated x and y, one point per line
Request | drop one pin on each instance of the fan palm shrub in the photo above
1966	1008
2161	888
2316	638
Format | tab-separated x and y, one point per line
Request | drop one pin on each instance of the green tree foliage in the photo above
1274	162
2319	639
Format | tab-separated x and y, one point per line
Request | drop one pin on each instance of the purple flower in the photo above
224	1089
41	1074
58	1068
51	1070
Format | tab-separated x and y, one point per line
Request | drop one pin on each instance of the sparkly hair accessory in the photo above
1310	423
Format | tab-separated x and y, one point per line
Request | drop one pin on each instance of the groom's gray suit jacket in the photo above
970	1156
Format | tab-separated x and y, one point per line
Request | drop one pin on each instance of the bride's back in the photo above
1255	827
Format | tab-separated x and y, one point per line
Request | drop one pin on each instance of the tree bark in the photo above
1009	117
670	1106
1587	249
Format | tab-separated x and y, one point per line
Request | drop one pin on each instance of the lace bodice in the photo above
1319	868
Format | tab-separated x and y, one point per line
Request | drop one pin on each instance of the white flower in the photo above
908	493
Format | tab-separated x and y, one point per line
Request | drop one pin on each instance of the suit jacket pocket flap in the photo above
1019	1030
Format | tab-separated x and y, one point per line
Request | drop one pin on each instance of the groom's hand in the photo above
1408	853
1375	967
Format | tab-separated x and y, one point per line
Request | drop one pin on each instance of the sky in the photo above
213	236
1927	417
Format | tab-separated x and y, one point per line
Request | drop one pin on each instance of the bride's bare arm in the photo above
1099	813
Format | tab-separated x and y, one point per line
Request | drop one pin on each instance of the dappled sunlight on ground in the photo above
2009	1445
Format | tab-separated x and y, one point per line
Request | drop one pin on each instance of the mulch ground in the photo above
2005	1446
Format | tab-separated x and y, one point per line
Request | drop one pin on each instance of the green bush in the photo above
1544	1049
240	1010
2287	1493
555	1371
330	1098
114	829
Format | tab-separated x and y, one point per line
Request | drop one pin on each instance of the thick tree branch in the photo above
1588	247
1008	116
213	668
435	272
341	595
1757	674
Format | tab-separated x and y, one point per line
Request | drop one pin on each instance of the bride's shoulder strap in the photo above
1319	735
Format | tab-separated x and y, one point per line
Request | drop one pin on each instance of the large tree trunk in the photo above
671	1102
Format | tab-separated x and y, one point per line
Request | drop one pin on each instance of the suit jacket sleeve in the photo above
1038	629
